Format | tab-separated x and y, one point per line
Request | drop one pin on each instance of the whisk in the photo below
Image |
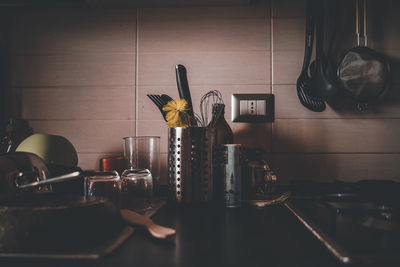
206	103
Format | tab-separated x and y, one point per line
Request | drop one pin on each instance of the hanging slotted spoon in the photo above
307	101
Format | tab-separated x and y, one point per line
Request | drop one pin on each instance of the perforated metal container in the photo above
190	168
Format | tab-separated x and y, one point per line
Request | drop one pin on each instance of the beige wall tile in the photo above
72	30
73	70
258	9
327	167
90	136
91	161
154	128
289	34
336	135
287	66
254	135
202	34
288	8
79	103
219	68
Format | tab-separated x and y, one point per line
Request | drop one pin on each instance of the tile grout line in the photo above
271	32
271	6
136	73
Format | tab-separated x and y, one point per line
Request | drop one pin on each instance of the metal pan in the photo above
363	73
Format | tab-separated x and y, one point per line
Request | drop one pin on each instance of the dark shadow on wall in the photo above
253	135
290	157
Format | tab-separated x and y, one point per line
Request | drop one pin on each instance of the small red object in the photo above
116	163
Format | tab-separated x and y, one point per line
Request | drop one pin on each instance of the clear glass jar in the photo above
136	184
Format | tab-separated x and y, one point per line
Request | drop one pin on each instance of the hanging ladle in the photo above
322	84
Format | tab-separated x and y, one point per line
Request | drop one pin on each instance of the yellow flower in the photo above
176	113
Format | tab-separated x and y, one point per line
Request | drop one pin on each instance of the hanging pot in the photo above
363	73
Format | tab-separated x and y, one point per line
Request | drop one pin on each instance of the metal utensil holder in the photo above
190	168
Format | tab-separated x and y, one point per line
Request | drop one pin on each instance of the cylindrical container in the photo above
136	183
190	168
143	152
230	165
115	163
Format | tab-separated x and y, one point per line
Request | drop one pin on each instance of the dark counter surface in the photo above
271	236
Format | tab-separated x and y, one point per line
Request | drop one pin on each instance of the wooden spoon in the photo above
155	230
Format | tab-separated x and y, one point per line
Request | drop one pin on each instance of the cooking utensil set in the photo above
207	118
363	74
183	88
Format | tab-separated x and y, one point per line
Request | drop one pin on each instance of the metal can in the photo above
232	169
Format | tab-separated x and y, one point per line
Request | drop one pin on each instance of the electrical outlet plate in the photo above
252	107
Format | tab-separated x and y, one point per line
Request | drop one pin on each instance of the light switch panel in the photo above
252	107
261	107
243	107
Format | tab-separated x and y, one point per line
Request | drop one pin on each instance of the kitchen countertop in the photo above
271	236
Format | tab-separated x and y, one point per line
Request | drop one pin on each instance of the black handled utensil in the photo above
183	87
312	103
159	103
322	83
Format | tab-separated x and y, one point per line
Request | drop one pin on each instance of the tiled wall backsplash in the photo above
85	73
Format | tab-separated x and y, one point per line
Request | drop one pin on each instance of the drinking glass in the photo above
148	157
137	181
103	184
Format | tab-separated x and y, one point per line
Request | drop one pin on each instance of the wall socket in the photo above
252	107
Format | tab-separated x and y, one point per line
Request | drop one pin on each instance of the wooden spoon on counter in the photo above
155	230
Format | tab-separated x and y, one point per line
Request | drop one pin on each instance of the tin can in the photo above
232	171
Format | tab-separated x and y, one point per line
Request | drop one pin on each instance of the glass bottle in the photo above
136	184
224	131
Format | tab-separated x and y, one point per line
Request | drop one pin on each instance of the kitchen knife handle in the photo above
183	86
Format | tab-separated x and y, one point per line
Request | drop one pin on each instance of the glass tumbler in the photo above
103	184
147	156
137	181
